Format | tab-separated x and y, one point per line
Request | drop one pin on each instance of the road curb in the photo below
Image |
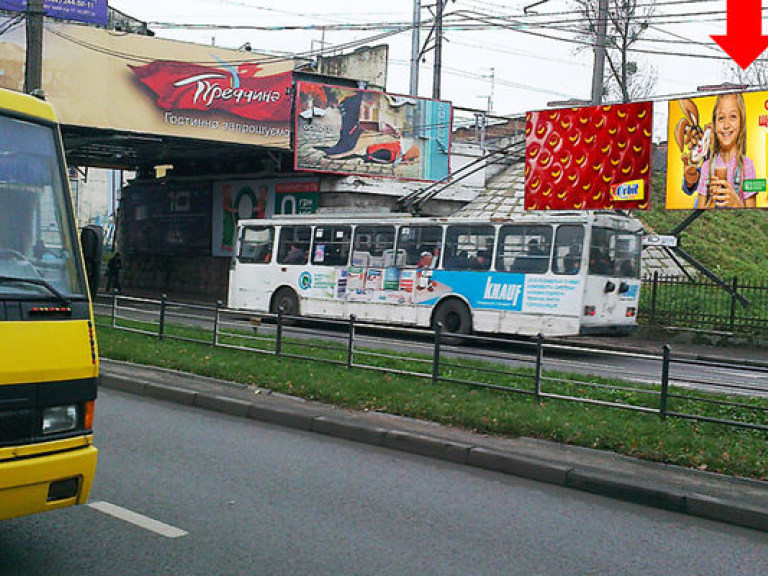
321	419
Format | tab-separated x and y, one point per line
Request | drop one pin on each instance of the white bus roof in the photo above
610	219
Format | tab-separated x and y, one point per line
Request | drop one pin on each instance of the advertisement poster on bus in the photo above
716	157
246	199
590	158
151	86
88	11
343	130
532	294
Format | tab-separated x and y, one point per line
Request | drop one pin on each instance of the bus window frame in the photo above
568	249
284	242
418	251
523	259
262	251
339	247
478	243
61	194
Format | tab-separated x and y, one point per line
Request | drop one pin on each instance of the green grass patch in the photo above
701	445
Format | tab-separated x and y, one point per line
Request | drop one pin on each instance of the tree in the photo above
756	76
627	21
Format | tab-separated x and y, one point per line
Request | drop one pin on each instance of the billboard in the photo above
716	154
89	11
235	200
589	158
146	85
348	131
170	219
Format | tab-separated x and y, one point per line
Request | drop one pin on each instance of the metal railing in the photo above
665	384
701	305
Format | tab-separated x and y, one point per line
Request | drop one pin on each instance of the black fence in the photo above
663	383
701	305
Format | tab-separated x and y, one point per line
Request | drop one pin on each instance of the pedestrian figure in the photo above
113	272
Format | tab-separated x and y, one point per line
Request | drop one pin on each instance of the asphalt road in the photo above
220	495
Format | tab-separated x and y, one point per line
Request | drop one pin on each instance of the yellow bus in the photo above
48	356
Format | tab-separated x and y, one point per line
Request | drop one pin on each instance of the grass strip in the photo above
718	448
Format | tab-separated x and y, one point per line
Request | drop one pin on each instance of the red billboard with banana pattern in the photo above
590	158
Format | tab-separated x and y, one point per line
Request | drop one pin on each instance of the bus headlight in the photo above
58	419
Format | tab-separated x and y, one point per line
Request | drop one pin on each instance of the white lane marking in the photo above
138	519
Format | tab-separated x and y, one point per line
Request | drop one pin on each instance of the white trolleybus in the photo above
555	274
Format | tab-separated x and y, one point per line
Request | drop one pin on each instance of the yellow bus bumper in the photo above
43	482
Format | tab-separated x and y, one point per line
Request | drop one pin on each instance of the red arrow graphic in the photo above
744	40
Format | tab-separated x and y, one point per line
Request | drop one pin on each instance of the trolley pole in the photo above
33	72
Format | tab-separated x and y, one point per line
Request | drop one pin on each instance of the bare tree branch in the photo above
627	21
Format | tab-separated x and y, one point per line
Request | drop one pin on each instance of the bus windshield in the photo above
38	258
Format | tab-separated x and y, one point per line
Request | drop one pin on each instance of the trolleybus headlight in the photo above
58	419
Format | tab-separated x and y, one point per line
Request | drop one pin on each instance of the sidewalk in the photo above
722	498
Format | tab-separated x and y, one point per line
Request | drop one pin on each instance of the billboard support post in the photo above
33	71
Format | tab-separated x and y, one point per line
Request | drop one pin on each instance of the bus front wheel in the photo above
286	299
454	316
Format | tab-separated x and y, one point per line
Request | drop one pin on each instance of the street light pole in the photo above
415	48
33	72
438	49
597	73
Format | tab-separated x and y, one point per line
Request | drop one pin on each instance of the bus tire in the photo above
455	317
286	299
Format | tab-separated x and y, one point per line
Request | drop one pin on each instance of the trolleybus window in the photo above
422	245
294	245
256	245
569	241
614	253
524	249
331	245
374	246
471	247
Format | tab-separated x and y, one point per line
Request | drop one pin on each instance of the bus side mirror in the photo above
623	287
91	238
609	287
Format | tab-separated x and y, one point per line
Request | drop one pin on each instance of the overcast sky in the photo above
528	71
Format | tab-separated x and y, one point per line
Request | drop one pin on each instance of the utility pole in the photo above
33	71
415	48
597	73
438	49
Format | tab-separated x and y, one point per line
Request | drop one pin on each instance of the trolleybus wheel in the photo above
286	299
455	317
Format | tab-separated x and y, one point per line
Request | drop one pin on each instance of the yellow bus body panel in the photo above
25	104
24	482
33	352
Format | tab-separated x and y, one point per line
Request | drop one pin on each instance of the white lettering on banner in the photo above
207	92
506	292
188	121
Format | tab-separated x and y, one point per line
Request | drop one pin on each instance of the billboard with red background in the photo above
589	158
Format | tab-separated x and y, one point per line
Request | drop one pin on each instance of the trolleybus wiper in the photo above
37	282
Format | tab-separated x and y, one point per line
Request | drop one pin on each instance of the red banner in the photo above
238	90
